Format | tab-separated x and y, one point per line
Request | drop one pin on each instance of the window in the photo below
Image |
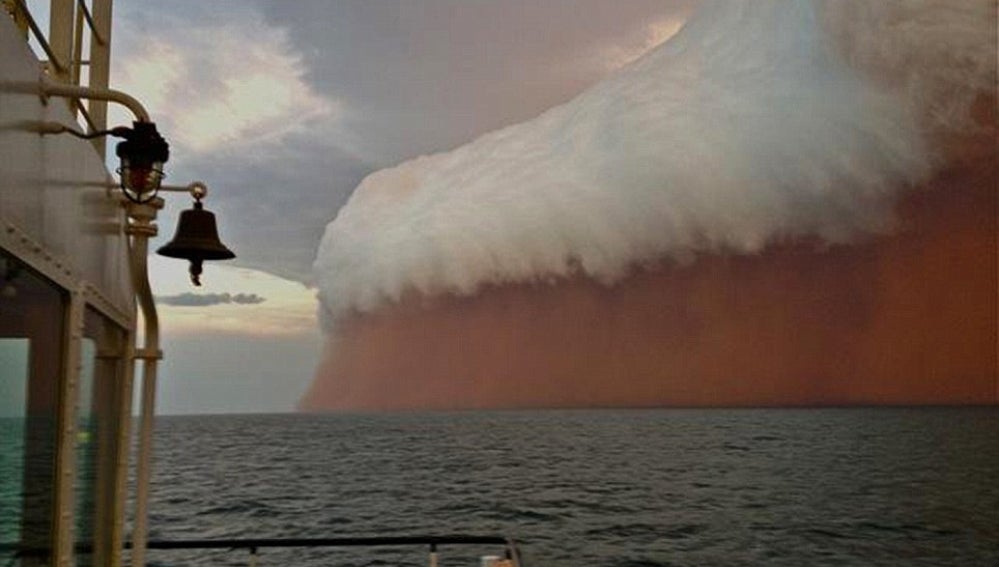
32	319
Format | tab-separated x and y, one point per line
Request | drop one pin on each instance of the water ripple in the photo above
620	488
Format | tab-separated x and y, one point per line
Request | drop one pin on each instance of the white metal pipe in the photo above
143	473
140	231
49	88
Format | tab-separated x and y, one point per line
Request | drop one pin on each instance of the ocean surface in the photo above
864	486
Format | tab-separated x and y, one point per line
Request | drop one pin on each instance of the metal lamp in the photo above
142	155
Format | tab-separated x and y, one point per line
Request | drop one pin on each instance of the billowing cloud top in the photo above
758	121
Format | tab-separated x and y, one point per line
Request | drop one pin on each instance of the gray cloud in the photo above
271	210
419	77
209	299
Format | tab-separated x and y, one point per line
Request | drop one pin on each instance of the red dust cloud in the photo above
745	177
908	318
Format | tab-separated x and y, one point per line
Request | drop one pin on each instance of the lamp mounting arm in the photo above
197	189
48	88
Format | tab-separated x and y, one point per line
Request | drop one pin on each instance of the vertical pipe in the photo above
140	530
140	230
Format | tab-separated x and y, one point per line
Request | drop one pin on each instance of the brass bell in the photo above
196	239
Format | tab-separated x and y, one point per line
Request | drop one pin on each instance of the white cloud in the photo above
220	86
150	74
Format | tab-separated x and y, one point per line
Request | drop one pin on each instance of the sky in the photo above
283	108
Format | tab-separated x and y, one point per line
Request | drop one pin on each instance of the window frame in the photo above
81	296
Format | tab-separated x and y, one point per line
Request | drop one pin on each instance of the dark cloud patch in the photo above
420	77
209	299
273	207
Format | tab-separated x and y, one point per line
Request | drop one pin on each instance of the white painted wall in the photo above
52	186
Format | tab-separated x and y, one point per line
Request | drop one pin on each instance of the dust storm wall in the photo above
740	218
904	319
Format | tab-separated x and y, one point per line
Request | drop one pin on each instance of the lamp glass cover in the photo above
141	178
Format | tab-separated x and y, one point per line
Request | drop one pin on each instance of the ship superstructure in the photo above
68	304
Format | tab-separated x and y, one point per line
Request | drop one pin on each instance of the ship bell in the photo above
196	240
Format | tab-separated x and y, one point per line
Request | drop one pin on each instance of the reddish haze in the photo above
909	318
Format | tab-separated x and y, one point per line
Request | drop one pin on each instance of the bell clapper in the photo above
195	271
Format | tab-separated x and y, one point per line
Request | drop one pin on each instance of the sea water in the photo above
869	486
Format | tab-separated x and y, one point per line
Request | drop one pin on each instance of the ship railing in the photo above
73	24
254	546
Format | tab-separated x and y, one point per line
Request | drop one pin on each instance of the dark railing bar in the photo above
241	543
82	109
40	36
255	543
90	23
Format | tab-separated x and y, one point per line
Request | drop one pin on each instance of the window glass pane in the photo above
86	451
32	313
13	393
